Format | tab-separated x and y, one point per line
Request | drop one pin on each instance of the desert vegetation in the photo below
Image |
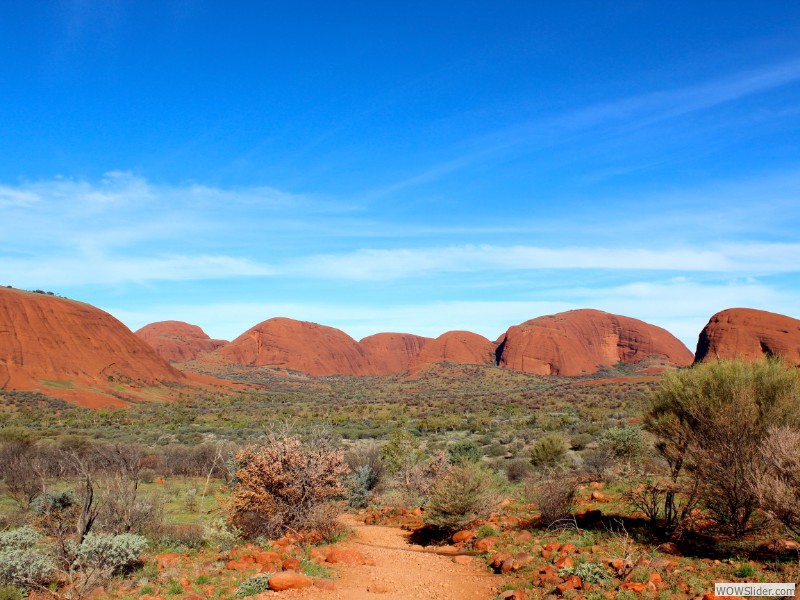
622	476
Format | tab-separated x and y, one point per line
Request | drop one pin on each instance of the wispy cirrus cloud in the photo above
614	118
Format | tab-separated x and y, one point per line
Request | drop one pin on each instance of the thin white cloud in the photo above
406	263
114	270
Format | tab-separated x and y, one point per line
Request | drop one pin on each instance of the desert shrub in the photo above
110	552
554	496
710	421
464	451
548	451
11	592
360	487
579	441
22	564
367	455
517	469
776	476
598	463
400	453
589	572
253	585
172	535
467	492
625	444
282	484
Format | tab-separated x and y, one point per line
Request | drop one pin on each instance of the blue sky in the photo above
412	167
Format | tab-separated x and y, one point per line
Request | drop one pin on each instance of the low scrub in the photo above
466	493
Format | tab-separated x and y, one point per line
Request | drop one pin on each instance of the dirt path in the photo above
401	572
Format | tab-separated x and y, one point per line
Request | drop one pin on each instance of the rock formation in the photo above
72	350
392	353
283	343
749	334
462	347
580	341
176	341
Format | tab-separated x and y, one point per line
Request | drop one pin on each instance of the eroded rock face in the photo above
58	346
392	353
580	341
463	347
283	343
176	341
749	334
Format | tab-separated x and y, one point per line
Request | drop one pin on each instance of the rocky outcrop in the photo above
463	347
176	341
749	334
392	353
72	350
282	343
579	342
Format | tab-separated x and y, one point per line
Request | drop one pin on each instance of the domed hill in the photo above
578	342
283	343
750	334
176	341
462	347
72	350
391	353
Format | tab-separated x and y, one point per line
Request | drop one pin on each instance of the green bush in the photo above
360	486
710	421
548	451
588	572
467	492
254	585
11	592
464	451
112	552
21	563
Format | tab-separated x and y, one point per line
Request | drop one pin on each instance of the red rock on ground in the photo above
289	580
283	343
578	342
66	349
749	334
346	556
392	353
176	341
462	347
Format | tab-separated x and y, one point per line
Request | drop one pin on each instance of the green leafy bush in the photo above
464	451
548	451
467	492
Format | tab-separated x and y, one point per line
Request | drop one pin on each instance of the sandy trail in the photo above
403	573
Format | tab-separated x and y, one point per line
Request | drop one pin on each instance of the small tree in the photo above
283	485
710	421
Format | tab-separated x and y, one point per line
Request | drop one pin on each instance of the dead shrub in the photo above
776	480
280	486
554	496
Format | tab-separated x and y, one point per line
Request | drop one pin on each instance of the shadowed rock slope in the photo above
749	334
579	342
74	351
392	353
176	341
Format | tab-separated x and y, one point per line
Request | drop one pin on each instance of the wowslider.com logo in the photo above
774	590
